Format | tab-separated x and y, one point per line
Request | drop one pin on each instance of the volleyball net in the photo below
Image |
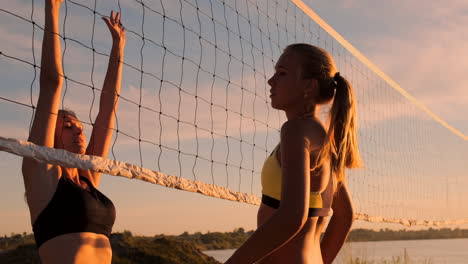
194	110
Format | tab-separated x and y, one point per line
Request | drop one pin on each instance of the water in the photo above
220	255
433	251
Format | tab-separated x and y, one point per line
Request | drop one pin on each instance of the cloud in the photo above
420	46
17	37
430	68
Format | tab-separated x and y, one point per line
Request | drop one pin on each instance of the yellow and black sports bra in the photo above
319	203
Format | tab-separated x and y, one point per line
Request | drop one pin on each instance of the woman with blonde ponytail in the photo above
303	180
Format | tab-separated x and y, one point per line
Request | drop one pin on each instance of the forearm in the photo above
334	238
267	238
113	79
110	93
51	58
102	131
340	224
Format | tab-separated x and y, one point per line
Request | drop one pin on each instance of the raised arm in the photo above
51	79
102	131
339	226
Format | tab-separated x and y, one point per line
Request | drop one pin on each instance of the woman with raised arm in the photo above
71	219
306	171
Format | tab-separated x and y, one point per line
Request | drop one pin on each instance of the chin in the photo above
276	106
273	105
80	150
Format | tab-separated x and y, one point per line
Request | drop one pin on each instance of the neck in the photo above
301	112
71	173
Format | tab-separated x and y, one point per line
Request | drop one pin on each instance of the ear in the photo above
311	86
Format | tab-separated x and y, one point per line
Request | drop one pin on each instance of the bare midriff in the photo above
77	248
304	248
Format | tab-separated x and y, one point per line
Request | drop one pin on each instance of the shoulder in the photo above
35	173
310	131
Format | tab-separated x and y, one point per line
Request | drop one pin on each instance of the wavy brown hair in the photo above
341	145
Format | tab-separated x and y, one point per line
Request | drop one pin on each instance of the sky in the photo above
418	46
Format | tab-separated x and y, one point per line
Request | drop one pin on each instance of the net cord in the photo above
117	168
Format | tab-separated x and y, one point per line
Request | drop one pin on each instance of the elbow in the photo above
298	223
294	220
349	222
345	217
349	216
353	216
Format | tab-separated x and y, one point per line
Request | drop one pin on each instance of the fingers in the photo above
108	22
114	19
115	25
117	19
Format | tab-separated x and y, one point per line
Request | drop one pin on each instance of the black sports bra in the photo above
73	209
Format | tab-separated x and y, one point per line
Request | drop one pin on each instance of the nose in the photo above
271	80
78	130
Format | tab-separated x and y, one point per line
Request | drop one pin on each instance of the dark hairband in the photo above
334	80
337	76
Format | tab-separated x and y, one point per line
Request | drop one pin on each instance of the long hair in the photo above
341	144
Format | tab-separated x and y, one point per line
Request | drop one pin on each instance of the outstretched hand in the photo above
116	28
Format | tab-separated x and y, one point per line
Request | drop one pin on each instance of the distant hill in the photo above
24	254
126	249
388	234
215	240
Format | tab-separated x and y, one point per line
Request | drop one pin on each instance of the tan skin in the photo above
287	234
66	132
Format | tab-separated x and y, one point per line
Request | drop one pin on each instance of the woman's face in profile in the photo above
69	134
287	86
